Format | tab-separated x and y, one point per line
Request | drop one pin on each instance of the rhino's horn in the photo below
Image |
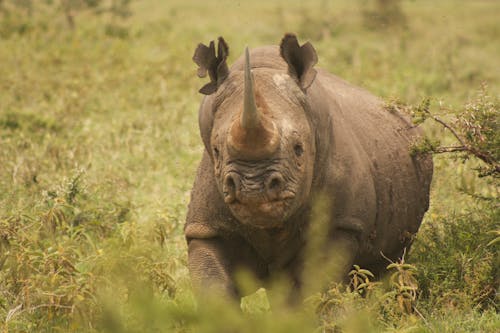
255	135
250	117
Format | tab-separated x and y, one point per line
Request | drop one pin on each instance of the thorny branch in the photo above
485	157
475	129
451	129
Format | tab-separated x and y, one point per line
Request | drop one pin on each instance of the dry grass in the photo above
99	144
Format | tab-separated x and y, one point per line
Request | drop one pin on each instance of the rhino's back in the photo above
401	181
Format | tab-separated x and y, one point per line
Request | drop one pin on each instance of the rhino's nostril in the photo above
230	188
274	185
230	182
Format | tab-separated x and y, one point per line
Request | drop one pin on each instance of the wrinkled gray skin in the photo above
253	210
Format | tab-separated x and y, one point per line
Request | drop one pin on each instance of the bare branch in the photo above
451	129
464	147
453	149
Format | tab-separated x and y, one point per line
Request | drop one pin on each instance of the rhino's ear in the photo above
215	64
300	59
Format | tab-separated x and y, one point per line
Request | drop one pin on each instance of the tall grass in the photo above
99	144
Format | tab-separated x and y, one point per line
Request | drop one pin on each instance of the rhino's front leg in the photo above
210	266
214	260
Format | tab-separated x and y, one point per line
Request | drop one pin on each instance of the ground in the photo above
99	145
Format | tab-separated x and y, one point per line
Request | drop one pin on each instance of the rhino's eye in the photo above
298	149
216	152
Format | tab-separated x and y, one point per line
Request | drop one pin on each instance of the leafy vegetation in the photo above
475	128
99	144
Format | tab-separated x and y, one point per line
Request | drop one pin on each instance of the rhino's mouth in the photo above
261	212
253	200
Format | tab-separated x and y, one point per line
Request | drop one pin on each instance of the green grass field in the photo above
99	145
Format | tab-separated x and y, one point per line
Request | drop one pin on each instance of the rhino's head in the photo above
255	125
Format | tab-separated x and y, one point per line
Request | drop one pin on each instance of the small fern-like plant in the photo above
404	284
361	280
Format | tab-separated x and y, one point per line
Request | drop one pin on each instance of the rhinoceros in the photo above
278	134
